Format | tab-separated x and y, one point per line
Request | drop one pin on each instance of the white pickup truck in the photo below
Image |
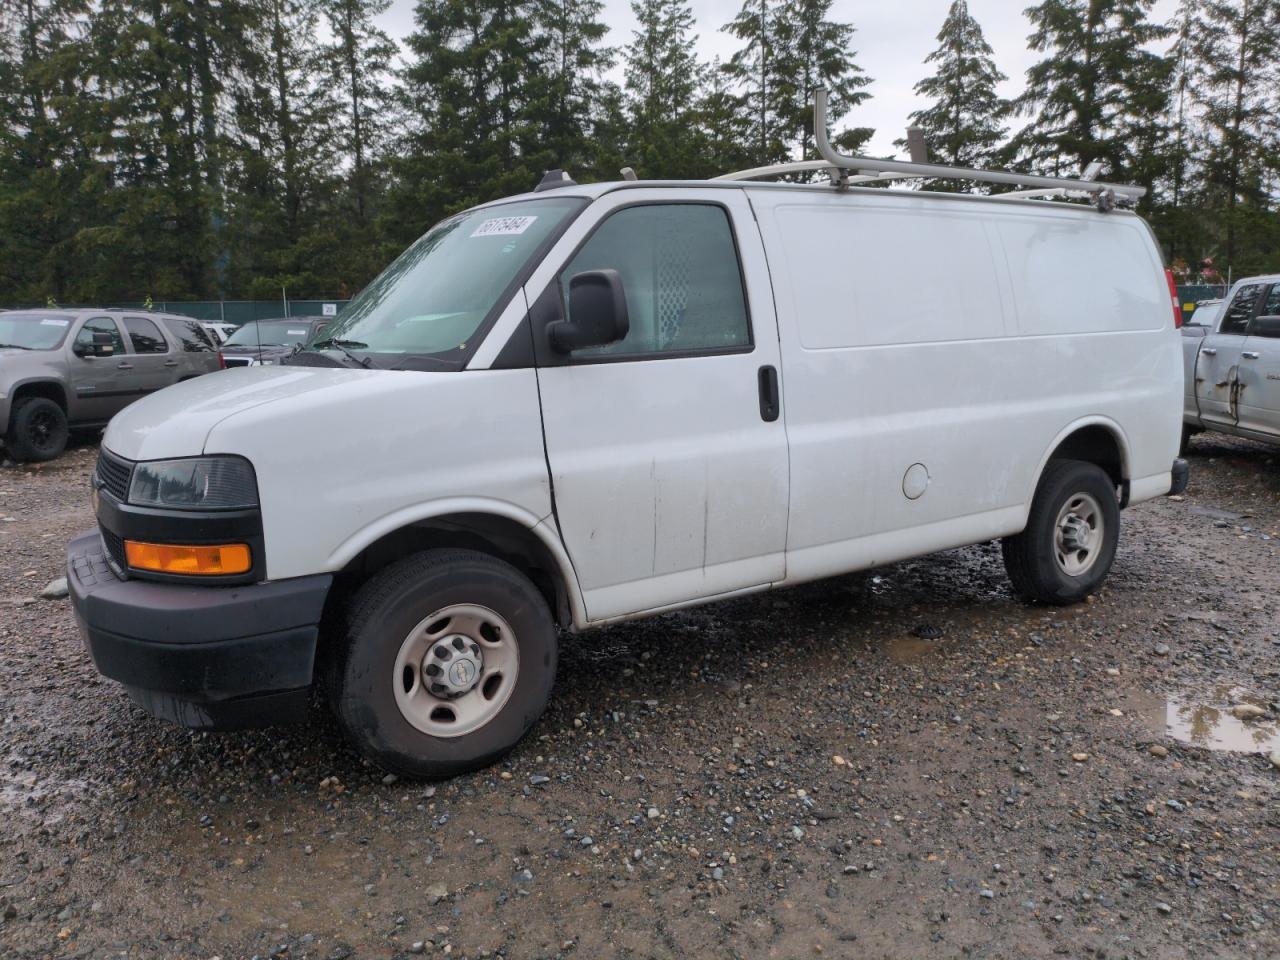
1231	362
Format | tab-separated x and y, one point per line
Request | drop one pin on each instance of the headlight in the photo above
196	483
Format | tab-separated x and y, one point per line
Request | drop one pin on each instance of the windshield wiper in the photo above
13	346
342	346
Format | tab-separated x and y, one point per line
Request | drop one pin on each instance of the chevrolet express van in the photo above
593	403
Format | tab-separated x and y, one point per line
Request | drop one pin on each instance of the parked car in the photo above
219	331
63	370
1231	365
266	342
595	403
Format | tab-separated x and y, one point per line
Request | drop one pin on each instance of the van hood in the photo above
176	421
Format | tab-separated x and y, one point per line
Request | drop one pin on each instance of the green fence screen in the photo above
224	311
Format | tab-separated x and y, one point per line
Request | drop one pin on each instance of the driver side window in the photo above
100	325
1236	320
680	272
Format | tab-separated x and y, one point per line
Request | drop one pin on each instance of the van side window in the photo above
680	271
100	325
145	335
1236	319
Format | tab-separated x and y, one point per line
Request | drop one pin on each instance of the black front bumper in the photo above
202	656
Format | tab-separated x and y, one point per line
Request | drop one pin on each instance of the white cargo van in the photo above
591	403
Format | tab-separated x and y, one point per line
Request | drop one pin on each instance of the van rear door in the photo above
669	472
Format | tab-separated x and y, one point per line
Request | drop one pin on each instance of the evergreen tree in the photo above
791	48
568	87
724	126
50	179
467	92
356	69
964	126
663	76
1096	78
1236	44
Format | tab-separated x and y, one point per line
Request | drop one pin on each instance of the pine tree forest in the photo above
206	149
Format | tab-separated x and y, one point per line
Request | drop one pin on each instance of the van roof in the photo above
592	191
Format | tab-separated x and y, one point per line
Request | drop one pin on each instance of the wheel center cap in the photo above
452	666
1076	534
462	673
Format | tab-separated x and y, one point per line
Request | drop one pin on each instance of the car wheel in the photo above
1070	539
37	430
448	660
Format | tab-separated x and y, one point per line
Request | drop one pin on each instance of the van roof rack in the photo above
846	169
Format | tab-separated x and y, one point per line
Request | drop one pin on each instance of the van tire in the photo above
1033	558
388	613
37	430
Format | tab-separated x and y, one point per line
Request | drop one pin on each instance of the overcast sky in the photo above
891	42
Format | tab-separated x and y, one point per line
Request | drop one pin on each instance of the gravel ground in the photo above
906	763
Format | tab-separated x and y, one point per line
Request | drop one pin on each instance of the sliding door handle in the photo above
770	401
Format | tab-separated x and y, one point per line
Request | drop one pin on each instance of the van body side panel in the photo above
912	334
335	461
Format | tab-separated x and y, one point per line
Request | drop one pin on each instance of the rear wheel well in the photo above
496	536
1097	445
42	388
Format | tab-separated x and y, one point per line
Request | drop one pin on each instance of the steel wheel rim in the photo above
1078	534
453	713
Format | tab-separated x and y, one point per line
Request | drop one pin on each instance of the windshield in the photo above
272	333
437	295
33	331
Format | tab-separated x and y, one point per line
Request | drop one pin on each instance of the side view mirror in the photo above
597	313
102	345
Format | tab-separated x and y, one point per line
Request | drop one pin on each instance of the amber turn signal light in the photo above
217	560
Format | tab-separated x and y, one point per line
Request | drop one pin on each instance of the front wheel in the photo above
37	430
1070	539
448	660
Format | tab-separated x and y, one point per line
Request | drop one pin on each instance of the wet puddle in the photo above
1209	722
910	649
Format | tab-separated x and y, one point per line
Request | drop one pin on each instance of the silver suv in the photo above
63	370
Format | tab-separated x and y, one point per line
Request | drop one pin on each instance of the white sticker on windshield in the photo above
297	333
53	322
503	227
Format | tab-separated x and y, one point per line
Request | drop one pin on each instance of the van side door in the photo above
1218	362
667	451
1259	405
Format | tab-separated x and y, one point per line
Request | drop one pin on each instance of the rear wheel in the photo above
37	430
448	660
1070	539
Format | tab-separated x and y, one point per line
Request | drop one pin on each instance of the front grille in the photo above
237	361
114	473
115	547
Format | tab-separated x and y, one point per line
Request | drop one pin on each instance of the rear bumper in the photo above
1181	474
204	657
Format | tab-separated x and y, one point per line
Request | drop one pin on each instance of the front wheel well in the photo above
41	388
496	536
1098	445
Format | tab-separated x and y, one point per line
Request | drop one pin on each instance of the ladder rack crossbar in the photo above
932	170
